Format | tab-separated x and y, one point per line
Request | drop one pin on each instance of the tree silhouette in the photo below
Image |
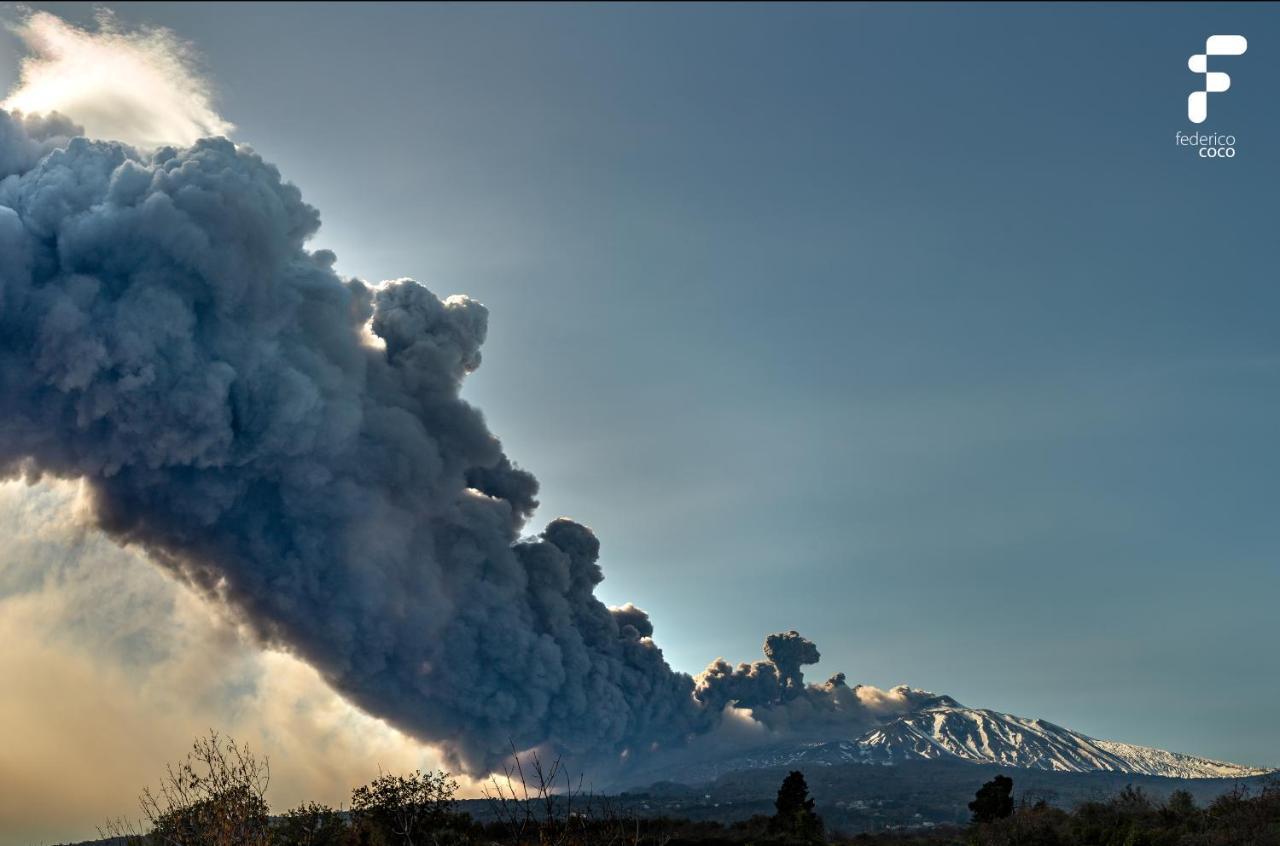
993	801
794	809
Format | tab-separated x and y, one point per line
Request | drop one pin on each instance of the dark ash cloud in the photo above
293	444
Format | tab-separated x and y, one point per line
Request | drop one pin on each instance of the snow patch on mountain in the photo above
1175	764
990	737
944	730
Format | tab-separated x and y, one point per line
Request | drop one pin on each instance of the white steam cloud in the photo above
114	668
140	87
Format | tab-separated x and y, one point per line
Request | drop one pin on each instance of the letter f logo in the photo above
1214	81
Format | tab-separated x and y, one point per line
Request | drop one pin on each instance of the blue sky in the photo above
909	327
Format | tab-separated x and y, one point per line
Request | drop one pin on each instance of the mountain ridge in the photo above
984	736
942	729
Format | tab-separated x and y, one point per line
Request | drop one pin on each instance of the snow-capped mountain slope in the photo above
1174	764
984	736
943	730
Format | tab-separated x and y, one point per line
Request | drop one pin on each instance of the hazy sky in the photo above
911	328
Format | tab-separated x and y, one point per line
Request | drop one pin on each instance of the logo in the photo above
1215	146
1215	82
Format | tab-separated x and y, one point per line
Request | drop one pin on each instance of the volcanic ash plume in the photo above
292	445
166	336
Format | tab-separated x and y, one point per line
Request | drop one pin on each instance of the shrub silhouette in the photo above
993	801
405	810
212	798
311	824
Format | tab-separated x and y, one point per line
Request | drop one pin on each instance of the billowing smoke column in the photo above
293	445
775	695
165	336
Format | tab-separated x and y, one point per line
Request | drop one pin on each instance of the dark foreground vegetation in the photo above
216	798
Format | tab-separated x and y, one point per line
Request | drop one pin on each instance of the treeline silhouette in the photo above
216	797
